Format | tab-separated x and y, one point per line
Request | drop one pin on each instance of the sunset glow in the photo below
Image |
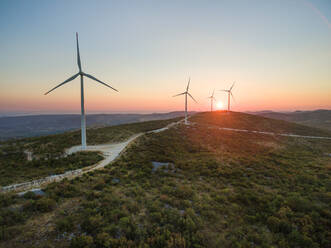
219	105
278	68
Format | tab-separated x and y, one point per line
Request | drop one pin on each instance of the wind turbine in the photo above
229	91
186	93
81	74
212	99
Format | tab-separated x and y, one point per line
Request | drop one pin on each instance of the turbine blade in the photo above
233	96
180	94
68	80
188	84
232	86
78	56
90	76
213	93
224	90
192	97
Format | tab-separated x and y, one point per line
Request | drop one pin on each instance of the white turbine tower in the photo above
186	93
229	91
81	74
212	99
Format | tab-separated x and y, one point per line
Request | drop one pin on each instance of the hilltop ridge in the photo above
258	123
38	125
320	118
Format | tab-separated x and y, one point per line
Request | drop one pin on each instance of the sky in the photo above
278	52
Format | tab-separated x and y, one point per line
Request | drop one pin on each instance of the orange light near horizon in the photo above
219	105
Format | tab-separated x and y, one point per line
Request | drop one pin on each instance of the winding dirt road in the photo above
271	133
112	151
109	151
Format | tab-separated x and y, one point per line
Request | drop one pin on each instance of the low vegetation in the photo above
54	145
257	123
320	118
15	168
217	188
47	153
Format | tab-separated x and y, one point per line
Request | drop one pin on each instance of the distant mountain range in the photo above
36	125
317	118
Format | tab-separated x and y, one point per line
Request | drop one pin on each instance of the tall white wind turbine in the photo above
81	74
212	99
186	93
229	91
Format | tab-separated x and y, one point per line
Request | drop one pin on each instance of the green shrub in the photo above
297	239
83	241
274	224
64	224
300	204
93	224
7	199
42	205
103	240
7	233
11	217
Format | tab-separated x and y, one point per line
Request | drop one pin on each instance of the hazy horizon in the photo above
31	113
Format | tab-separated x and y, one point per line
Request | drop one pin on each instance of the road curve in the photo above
112	151
109	151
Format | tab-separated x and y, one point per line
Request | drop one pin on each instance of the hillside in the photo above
189	186
317	118
37	125
47	152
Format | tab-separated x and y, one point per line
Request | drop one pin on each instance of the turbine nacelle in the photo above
80	72
212	96
186	92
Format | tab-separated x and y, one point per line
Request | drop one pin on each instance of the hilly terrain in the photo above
317	118
47	152
196	185
37	125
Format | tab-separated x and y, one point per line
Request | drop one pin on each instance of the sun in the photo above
219	105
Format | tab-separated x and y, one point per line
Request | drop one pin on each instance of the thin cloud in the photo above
318	12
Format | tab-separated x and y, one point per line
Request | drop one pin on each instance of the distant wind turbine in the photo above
81	74
212	99
186	93
229	91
